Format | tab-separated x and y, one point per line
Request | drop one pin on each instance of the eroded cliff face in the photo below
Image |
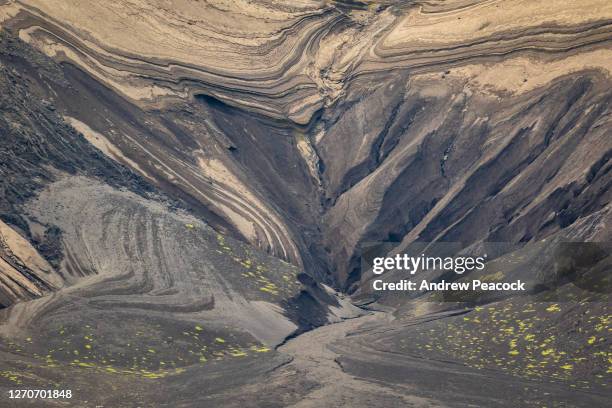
175	166
309	128
103	267
457	164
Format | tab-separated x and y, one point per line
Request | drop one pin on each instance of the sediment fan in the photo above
182	184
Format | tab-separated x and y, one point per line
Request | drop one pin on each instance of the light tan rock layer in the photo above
24	273
287	59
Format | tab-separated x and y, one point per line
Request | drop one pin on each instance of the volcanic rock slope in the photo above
150	147
301	127
107	280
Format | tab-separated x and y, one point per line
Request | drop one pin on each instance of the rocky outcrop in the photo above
322	126
24	273
457	164
101	270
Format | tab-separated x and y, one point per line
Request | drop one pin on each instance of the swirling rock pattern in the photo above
304	129
99	271
253	51
371	80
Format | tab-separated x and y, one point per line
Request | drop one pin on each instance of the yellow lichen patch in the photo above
237	353
497	276
266	289
11	376
219	340
520	340
553	308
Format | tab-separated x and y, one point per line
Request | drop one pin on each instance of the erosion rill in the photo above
187	188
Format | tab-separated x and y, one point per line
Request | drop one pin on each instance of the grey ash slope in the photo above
443	163
37	144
